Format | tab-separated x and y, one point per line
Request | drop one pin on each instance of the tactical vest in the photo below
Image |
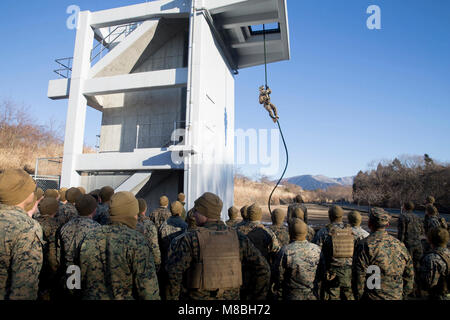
220	266
342	240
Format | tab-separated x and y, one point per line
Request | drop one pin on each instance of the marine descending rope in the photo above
277	121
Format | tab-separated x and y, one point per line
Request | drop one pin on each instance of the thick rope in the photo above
285	168
278	123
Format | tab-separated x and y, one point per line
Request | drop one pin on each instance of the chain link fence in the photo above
47	173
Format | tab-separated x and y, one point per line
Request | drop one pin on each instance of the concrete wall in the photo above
93	182
212	170
152	113
162	182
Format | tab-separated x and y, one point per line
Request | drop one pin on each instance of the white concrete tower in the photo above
162	73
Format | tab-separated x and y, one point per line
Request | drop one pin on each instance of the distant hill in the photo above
310	182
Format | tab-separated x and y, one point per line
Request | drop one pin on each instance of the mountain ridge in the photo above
314	182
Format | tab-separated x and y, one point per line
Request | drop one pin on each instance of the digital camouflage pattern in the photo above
159	215
148	229
311	234
70	237
21	257
434	274
392	257
184	253
102	214
431	222
282	234
410	232
171	228
262	238
359	233
66	213
335	274
410	229
116	264
322	234
51	256
295	271
232	223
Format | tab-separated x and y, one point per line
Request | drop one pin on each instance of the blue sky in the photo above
348	95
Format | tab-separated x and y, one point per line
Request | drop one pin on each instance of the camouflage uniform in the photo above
295	271
71	235
359	233
102	214
410	232
66	213
311	234
281	233
322	234
434	273
262	238
232	223
148	229
171	228
159	215
21	241
116	264
292	207
51	253
335	273
392	257
431	222
184	252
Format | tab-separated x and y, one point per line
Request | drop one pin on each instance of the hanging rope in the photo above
277	121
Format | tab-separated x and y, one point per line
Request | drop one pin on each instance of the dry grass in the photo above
23	140
247	191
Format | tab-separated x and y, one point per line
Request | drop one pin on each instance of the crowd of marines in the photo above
124	252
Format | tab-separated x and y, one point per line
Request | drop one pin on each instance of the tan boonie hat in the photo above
124	208
106	193
86	204
380	217
73	194
62	194
244	212
254	212
15	186
163	201
297	229
176	208
335	212
278	216
354	218
209	205
51	193
233	212
142	205
48	206
31	205
39	193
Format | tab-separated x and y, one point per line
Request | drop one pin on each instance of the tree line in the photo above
407	178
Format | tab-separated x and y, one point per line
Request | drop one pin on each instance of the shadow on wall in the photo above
175	4
162	159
